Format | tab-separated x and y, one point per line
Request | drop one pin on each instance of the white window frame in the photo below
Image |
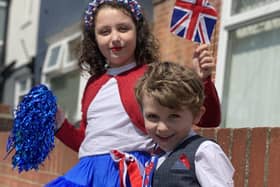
64	67
56	67
231	22
18	91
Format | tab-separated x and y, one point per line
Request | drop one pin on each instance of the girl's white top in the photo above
108	125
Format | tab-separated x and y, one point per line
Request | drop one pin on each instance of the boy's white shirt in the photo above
212	166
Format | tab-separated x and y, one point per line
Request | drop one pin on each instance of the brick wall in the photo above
254	153
60	160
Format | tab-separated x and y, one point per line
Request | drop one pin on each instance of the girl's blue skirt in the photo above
95	171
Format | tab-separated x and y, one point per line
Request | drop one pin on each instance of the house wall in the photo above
22	31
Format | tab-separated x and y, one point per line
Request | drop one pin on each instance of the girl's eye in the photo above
123	28
104	32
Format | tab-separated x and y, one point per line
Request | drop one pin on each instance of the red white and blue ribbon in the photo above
193	20
130	167
150	167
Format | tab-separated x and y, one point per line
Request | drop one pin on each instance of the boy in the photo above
171	98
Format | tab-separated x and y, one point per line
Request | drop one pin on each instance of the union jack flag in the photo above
193	20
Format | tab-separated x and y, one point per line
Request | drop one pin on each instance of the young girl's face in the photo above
116	36
167	127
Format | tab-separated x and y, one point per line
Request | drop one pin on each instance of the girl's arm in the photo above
203	64
70	135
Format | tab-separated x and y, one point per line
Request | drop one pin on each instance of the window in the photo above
62	55
3	10
239	6
22	87
66	88
61	74
248	63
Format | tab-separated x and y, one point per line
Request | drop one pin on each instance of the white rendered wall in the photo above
22	31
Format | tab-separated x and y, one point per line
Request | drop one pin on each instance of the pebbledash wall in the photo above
254	152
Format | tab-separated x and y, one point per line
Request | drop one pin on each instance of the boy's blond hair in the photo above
172	85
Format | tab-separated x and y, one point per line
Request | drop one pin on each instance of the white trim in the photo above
255	15
18	92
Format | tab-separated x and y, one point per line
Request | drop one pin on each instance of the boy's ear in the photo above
199	114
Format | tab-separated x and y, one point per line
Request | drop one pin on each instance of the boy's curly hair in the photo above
91	59
172	85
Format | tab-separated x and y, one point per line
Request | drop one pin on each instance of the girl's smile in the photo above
116	36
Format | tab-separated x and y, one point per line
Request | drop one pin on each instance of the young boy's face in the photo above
166	126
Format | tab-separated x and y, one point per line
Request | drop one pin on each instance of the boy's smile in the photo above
168	127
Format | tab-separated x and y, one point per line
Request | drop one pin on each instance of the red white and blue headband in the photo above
133	6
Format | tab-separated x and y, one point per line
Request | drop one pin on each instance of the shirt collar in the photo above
119	70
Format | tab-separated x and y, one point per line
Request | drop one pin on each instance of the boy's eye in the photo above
174	116
152	117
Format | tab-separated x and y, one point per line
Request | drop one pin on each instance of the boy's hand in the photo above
203	61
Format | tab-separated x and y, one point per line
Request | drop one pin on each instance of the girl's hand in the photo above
59	118
203	61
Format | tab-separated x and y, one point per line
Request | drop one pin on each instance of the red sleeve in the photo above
212	116
70	135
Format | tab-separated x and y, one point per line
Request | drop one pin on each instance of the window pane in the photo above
73	48
66	89
239	6
2	21
252	76
54	56
1	50
23	85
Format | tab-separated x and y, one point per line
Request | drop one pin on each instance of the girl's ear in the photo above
198	115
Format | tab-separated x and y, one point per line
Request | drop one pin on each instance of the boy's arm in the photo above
212	166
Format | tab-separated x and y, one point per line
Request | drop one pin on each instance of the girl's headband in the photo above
133	5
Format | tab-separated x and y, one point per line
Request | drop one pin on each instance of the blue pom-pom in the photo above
33	131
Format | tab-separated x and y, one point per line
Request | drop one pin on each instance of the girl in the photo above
116	46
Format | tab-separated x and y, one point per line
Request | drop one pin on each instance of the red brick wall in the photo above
254	153
60	160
